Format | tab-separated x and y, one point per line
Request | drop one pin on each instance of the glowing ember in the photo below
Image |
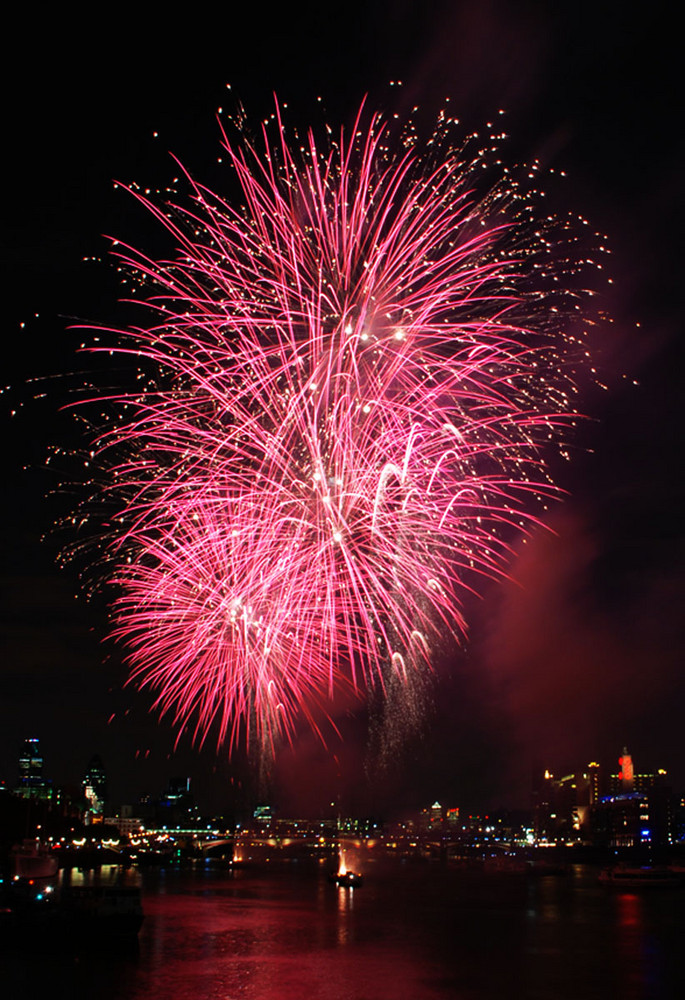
346	385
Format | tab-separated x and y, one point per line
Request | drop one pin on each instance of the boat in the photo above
90	910
30	860
646	877
346	879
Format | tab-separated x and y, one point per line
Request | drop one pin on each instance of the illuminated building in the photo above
626	773
642	782
639	810
125	822
431	817
263	814
453	817
595	778
627	780
561	806
176	806
435	814
365	826
177	791
542	796
95	790
679	820
32	784
634	819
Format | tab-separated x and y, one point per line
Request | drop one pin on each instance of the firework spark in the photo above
349	378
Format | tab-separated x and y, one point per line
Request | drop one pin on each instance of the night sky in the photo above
581	651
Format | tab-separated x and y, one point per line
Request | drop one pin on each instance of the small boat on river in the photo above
81	908
646	877
346	879
30	860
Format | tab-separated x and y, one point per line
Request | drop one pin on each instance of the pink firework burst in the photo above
353	372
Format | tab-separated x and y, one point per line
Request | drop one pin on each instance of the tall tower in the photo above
625	775
436	814
595	779
95	788
32	784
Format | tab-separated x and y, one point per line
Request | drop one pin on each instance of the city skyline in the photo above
600	781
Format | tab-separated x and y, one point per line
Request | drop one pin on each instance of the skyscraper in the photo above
31	783
95	787
594	773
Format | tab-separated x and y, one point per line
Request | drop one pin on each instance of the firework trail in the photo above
347	381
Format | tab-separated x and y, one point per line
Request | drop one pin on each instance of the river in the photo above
411	932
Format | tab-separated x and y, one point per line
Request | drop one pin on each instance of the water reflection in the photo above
412	932
345	906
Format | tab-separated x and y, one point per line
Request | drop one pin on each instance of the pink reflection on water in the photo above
281	938
633	961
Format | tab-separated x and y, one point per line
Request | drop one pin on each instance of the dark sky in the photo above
582	651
